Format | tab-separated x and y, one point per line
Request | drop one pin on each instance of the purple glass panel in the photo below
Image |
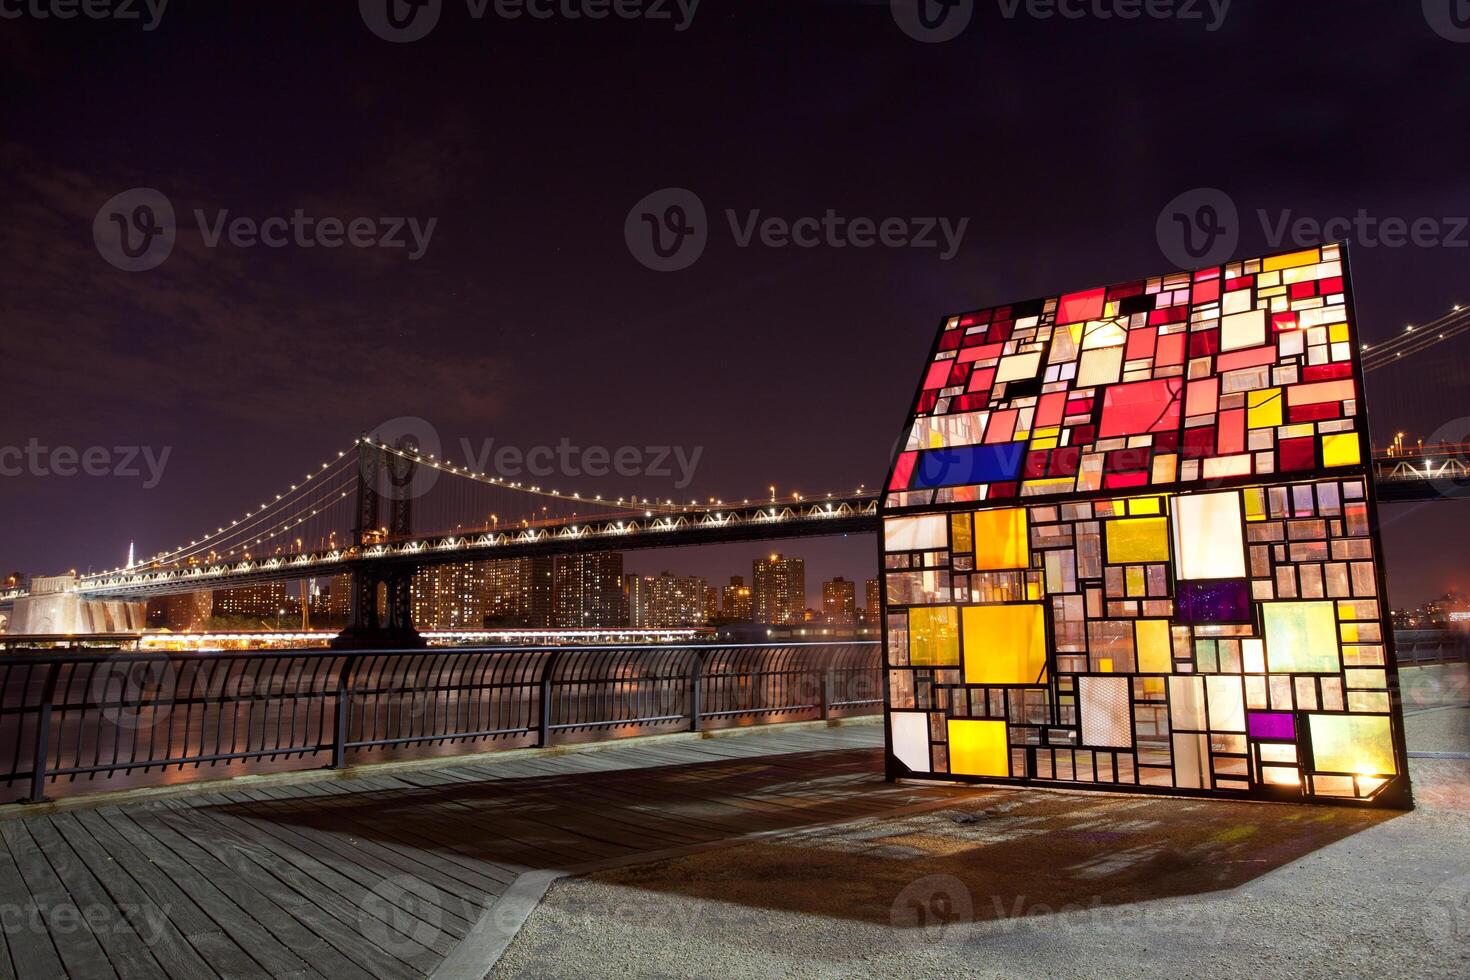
1227	601
1270	724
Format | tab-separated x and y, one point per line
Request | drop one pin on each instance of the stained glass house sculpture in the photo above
1130	543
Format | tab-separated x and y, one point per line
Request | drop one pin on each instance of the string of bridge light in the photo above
429	459
253	533
311	480
1416	338
668	505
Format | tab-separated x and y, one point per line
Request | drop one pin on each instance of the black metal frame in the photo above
70	715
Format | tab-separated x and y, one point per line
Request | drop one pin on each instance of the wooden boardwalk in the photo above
383	875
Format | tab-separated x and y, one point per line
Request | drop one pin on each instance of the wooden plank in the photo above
81	954
170	947
289	930
367	872
127	951
362	849
212	945
346	939
275	958
320	885
31	951
410	848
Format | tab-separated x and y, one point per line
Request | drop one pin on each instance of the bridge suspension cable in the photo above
1415	339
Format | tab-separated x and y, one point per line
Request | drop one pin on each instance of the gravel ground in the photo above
1028	884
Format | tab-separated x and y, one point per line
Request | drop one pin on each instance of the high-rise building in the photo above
519	592
737	603
190	611
265	601
338	602
667	601
637	592
589	590
780	589
873	610
449	596
839	602
711	603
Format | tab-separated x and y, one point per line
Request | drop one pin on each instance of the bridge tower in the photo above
381	611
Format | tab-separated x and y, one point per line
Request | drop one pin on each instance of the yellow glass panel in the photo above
1263	408
1350	632
934	636
1005	644
1134	583
1138	539
1255	504
1145	505
1338	332
1001	539
959	532
1341	449
1359	744
1301	637
978	748
1049	442
1310	256
1155	652
1105	665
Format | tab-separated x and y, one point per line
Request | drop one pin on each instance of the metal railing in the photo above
1431	646
127	718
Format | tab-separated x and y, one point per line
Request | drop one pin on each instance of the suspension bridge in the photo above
380	511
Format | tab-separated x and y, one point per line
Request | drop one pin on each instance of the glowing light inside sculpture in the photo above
1128	544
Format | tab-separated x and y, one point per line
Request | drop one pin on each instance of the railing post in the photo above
828	692
43	737
696	681
339	727
543	734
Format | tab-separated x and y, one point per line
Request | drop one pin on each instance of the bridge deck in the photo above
383	875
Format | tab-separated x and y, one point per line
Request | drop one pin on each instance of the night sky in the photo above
527	318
